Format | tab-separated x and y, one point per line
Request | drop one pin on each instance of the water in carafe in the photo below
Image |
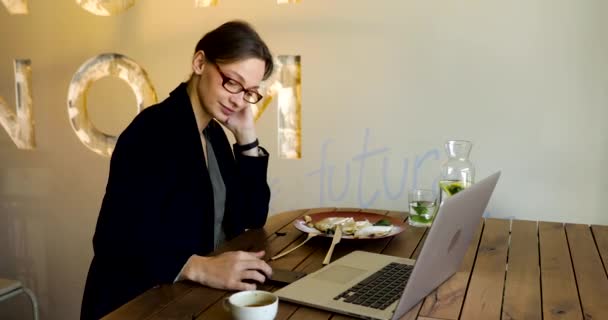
457	172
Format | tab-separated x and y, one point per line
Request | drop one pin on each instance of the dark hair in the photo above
232	41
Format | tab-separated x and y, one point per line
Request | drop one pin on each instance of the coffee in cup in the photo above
252	305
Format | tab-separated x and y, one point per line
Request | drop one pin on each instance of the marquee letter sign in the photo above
108	64
108	7
205	3
286	85
105	7
20	126
212	3
16	6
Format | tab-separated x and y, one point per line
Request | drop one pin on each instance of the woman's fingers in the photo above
229	270
261	266
253	275
251	260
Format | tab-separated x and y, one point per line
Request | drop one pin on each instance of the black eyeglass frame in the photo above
237	87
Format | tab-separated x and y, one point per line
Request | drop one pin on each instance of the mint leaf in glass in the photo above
420	209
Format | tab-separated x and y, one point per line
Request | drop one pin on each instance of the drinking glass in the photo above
422	207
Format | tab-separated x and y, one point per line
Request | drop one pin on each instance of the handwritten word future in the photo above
327	181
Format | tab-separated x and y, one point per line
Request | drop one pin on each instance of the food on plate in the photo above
307	219
373	231
351	227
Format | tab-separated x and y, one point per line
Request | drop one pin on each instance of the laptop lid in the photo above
447	242
441	256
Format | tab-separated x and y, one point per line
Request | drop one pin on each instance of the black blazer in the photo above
158	207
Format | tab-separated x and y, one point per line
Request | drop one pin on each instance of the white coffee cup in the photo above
252	305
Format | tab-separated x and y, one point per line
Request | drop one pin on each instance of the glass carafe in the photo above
457	172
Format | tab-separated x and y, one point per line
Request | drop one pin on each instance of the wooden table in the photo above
512	270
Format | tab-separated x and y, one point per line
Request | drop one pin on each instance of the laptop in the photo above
355	284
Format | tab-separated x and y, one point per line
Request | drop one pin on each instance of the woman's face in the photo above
215	99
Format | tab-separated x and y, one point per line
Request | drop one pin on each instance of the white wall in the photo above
383	81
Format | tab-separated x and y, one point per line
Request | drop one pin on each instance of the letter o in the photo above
105	7
103	65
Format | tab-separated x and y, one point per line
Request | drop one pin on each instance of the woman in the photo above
176	189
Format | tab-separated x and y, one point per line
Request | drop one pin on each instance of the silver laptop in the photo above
354	285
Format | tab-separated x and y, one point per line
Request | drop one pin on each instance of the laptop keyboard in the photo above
380	289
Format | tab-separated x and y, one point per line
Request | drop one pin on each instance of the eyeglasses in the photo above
233	86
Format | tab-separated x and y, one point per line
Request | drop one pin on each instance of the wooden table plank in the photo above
201	298
278	221
289	236
289	262
251	240
559	291
309	314
295	259
413	236
293	237
522	287
346	246
589	271
404	245
208	299
314	262
342	317
216	311
600	233
196	301
174	303
190	304
254	240
148	303
573	263
484	296
446	301
311	264
412	314
276	242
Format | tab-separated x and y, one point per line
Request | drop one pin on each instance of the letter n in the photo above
16	6
286	85
20	126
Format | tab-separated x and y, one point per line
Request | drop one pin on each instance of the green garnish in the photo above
454	189
383	222
420	219
451	188
420	209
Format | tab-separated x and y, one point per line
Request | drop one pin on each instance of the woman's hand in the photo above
228	270
241	124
